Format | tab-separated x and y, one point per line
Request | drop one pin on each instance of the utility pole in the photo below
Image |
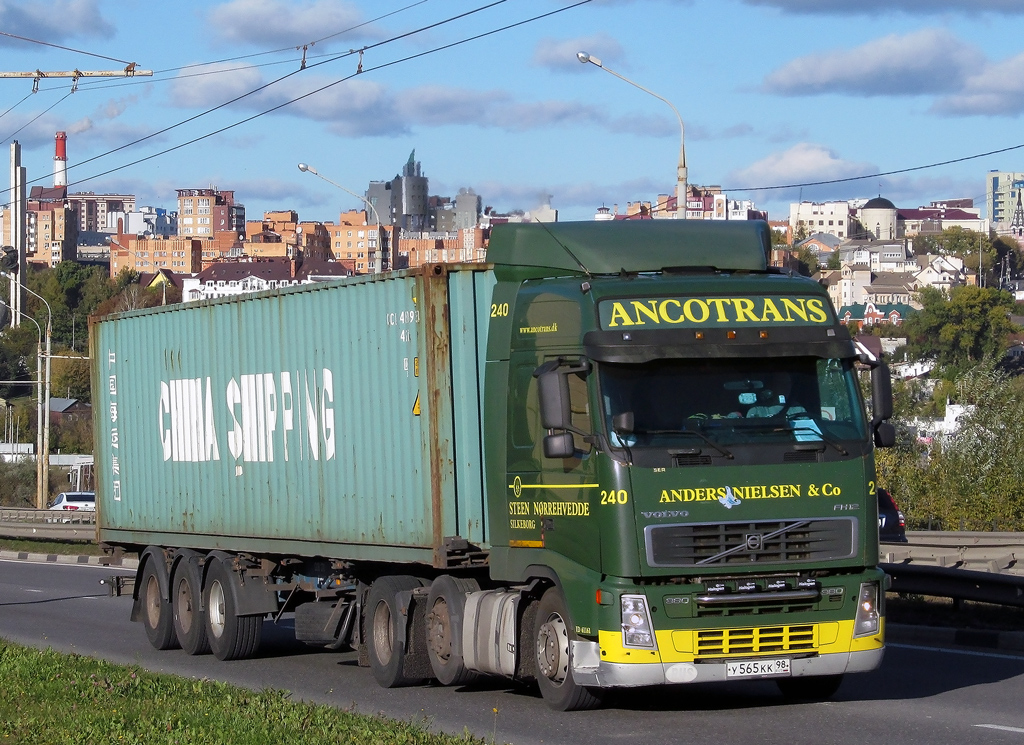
130	71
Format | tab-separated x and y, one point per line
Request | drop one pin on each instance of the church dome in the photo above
879	203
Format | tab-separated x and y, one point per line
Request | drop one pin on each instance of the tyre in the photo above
187	604
386	627
156	611
446	606
553	630
811	689
231	637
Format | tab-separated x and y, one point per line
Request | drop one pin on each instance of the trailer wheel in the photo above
553	631
446	607
386	627
810	689
156	611
186	600
231	637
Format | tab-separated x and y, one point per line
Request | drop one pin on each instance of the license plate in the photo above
757	668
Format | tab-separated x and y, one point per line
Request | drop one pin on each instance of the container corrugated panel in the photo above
299	421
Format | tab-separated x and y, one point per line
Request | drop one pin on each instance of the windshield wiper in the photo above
693	432
773	428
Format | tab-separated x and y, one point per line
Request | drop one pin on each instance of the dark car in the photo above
892	526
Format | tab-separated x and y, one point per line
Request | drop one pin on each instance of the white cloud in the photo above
803	163
52	21
925	62
561	55
275	22
871	7
996	90
214	84
362	108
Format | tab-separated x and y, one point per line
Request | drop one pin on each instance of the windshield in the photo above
693	403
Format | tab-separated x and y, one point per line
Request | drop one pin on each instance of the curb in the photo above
953	637
69	559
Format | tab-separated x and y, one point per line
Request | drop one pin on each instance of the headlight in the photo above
866	622
636	623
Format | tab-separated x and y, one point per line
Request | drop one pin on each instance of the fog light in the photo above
636	623
866	621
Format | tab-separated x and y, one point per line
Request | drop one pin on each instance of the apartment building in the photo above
179	254
807	218
1001	191
203	212
93	209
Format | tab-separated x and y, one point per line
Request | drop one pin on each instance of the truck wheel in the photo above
446	607
553	631
231	637
186	601
809	689
156	611
386	631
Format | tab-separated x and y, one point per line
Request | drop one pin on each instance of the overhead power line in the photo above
877	175
66	49
313	92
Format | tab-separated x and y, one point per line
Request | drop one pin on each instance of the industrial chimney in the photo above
60	160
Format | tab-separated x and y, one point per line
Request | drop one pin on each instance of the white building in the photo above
808	218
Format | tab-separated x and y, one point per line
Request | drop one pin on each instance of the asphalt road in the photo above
919	695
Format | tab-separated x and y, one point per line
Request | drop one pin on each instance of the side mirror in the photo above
553	391
885	435
623	423
881	394
559	446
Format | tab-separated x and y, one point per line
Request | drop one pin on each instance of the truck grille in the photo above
728	544
764	640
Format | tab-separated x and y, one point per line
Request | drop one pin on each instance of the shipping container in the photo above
619	454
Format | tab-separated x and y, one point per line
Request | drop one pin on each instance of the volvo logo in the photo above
754	541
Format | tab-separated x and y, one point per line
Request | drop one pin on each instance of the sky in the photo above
491	97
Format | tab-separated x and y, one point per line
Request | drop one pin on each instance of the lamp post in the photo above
42	492
43	456
681	169
306	168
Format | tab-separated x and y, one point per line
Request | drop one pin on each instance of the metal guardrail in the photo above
987	567
59	525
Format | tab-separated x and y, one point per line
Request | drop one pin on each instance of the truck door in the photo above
550	499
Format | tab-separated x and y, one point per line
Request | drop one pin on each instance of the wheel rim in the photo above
217	611
383	641
553	649
184	606
152	601
439	628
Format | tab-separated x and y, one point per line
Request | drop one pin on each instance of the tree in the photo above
969	325
70	378
971	479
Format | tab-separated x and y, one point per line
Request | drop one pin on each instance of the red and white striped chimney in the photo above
60	160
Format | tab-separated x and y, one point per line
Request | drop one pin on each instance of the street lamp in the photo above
43	457
306	168
42	491
681	170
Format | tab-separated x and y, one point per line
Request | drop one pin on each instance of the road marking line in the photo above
29	589
969	653
1001	727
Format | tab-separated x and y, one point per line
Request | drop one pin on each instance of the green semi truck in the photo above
618	454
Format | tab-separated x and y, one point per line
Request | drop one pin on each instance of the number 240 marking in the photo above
614	497
499	310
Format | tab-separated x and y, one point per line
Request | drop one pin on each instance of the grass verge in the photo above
48	697
71	548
